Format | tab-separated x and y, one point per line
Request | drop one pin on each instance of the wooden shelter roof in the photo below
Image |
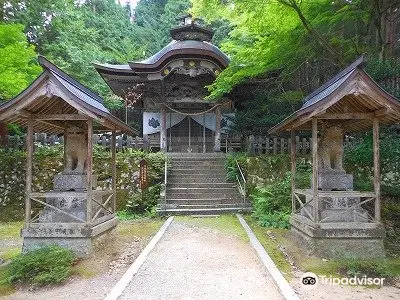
352	97
55	97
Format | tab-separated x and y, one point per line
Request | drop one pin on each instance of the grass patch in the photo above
139	227
9	253
10	230
388	267
6	288
271	246
224	223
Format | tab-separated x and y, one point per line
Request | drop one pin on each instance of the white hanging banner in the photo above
152	121
209	120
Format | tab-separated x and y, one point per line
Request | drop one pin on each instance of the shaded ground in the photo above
293	263
95	276
202	259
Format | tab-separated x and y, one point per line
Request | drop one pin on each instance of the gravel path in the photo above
198	263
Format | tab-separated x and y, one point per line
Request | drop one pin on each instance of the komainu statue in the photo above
330	150
75	150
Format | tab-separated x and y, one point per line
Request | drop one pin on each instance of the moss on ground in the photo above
10	230
224	223
125	234
271	246
5	287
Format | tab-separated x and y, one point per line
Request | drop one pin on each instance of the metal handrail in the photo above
165	183
244	181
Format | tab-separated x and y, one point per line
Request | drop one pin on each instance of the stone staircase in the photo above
196	185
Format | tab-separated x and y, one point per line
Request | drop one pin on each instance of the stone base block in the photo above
335	181
72	182
341	215
339	240
81	239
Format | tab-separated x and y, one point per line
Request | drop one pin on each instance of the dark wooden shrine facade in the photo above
174	80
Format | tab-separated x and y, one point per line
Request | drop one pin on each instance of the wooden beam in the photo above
315	168
29	162
89	171
60	117
345	116
293	167
114	170
377	185
381	112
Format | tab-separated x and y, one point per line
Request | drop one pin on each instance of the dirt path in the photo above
192	262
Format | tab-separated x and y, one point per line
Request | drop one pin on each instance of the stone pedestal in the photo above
338	240
72	182
335	181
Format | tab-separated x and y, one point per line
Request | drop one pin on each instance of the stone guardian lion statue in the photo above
75	150
330	150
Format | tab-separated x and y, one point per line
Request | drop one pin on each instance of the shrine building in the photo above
170	88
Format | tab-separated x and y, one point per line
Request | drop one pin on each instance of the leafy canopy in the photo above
18	65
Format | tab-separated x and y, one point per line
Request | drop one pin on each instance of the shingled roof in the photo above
351	95
55	93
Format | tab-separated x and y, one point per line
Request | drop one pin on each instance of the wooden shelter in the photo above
354	102
52	104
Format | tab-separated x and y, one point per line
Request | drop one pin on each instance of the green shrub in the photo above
145	201
372	268
272	203
51	264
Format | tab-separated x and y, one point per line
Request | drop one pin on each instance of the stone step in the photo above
203	211
203	201
197	172
203	190
231	195
204	206
178	155
201	185
195	180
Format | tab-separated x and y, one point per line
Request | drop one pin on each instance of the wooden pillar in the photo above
204	133
217	139
190	133
315	168
163	132
377	175
293	167
89	171
29	162
114	170
170	133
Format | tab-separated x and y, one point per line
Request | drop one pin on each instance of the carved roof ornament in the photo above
191	29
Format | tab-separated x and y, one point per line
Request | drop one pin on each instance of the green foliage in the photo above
17	65
232	171
144	201
272	204
42	266
373	268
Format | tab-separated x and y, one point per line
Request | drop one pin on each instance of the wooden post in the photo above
377	175
170	133
293	167
89	170
315	167
29	162
217	140
114	170
204	133
163	132
275	146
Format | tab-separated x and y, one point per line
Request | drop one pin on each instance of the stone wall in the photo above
48	161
